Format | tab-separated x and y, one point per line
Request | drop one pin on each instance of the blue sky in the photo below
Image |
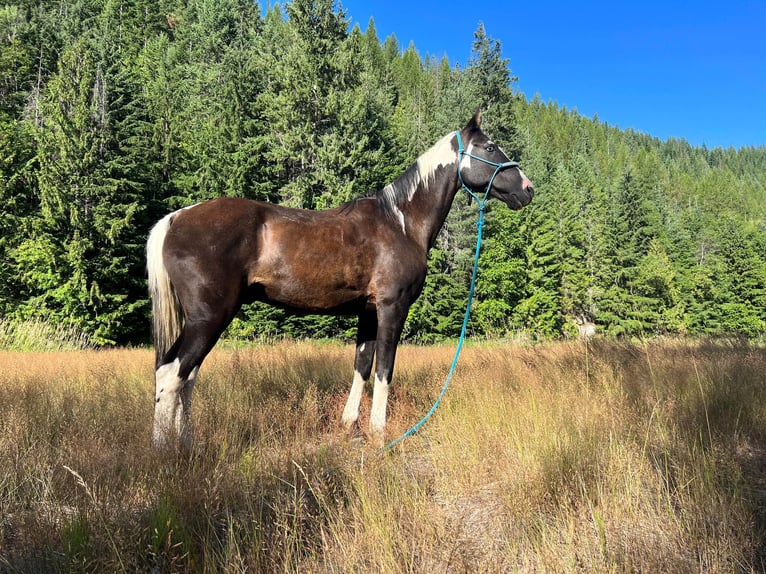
692	70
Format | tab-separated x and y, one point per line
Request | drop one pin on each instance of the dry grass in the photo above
37	335
558	458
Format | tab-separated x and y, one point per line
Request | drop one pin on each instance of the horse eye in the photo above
490	148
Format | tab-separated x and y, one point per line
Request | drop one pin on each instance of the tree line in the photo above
114	112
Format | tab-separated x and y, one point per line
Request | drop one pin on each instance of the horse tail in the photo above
166	310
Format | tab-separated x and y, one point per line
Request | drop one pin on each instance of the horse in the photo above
365	258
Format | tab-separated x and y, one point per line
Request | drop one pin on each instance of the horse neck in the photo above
419	200
429	215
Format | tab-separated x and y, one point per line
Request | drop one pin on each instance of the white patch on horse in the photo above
440	154
168	386
379	400
466	159
183	415
351	411
391	194
400	217
187	208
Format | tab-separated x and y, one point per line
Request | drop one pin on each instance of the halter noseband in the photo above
498	168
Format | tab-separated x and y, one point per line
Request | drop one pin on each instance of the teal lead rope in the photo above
482	202
432	410
421	422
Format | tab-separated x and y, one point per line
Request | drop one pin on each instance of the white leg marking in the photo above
183	415
351	412
167	388
378	414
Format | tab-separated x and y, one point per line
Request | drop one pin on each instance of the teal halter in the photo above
498	168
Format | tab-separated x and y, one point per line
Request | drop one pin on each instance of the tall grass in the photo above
37	335
567	457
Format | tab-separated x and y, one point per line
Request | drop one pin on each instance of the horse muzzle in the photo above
517	200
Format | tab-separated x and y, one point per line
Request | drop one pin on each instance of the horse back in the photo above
334	261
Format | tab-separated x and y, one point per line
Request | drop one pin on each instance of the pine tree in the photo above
741	309
17	182
539	309
297	100
220	76
77	266
494	86
575	280
113	112
634	222
501	281
655	284
162	98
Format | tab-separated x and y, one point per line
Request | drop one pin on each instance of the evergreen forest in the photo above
115	112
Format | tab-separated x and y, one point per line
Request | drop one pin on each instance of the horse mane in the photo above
401	190
391	196
398	191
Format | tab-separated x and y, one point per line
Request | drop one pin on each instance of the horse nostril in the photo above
528	187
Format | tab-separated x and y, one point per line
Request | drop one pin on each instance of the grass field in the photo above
567	457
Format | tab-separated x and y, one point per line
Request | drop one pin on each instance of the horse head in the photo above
484	166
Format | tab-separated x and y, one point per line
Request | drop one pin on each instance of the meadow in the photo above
562	457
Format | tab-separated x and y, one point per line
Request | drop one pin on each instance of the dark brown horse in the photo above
365	258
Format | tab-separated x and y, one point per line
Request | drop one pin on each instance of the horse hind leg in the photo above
172	405
168	412
183	420
175	380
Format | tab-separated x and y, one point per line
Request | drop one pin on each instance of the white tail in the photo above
166	312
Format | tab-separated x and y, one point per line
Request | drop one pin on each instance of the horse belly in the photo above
314	284
310	297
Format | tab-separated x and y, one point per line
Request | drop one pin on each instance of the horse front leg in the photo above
389	331
365	351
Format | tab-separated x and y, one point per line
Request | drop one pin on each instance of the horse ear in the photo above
475	122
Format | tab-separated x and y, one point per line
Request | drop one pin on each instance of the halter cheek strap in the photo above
498	168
